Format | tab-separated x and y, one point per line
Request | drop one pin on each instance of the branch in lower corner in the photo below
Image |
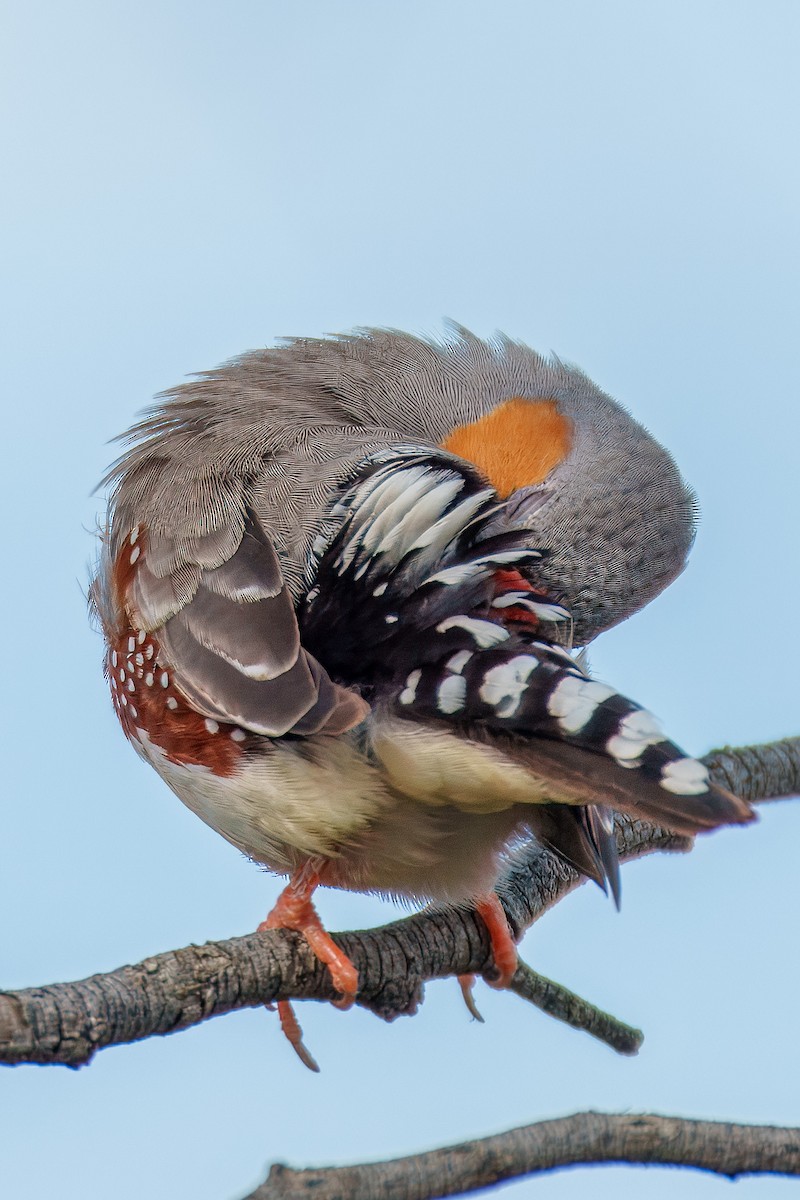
581	1139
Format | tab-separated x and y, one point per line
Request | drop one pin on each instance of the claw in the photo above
291	1028
467	983
295	911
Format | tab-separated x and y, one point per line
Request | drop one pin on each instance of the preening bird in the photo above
341	585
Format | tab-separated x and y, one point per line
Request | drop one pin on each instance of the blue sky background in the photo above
616	182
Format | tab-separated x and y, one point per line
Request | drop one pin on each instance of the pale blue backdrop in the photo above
616	182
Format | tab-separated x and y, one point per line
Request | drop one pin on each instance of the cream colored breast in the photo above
285	803
435	767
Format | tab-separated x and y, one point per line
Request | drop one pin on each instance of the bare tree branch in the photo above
584	1138
767	772
557	1001
67	1023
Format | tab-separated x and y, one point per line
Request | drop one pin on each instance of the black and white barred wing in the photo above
412	600
591	744
416	550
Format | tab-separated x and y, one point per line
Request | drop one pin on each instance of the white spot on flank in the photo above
149	678
457	663
504	685
211	725
141	636
134	713
135	554
131	686
485	633
452	694
575	700
139	660
238	735
131	645
134	534
122	675
164	680
148	650
123	701
380	589
636	732
113	658
172	703
113	681
686	777
390	620
408	695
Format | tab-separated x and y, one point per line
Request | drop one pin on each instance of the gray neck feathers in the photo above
616	515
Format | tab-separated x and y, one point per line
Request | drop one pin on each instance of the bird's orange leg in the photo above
504	950
295	911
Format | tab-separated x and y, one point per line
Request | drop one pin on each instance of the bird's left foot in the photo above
295	911
504	951
504	948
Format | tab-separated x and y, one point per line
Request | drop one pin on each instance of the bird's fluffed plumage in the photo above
341	630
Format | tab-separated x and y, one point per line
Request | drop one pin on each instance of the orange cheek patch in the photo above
515	445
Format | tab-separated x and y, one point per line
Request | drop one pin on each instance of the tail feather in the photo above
579	775
600	821
584	837
440	616
588	743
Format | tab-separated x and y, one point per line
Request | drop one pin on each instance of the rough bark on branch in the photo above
584	1138
765	772
67	1023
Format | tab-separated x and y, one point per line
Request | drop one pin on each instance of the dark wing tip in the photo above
721	807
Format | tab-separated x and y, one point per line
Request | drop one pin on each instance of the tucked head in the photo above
588	482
